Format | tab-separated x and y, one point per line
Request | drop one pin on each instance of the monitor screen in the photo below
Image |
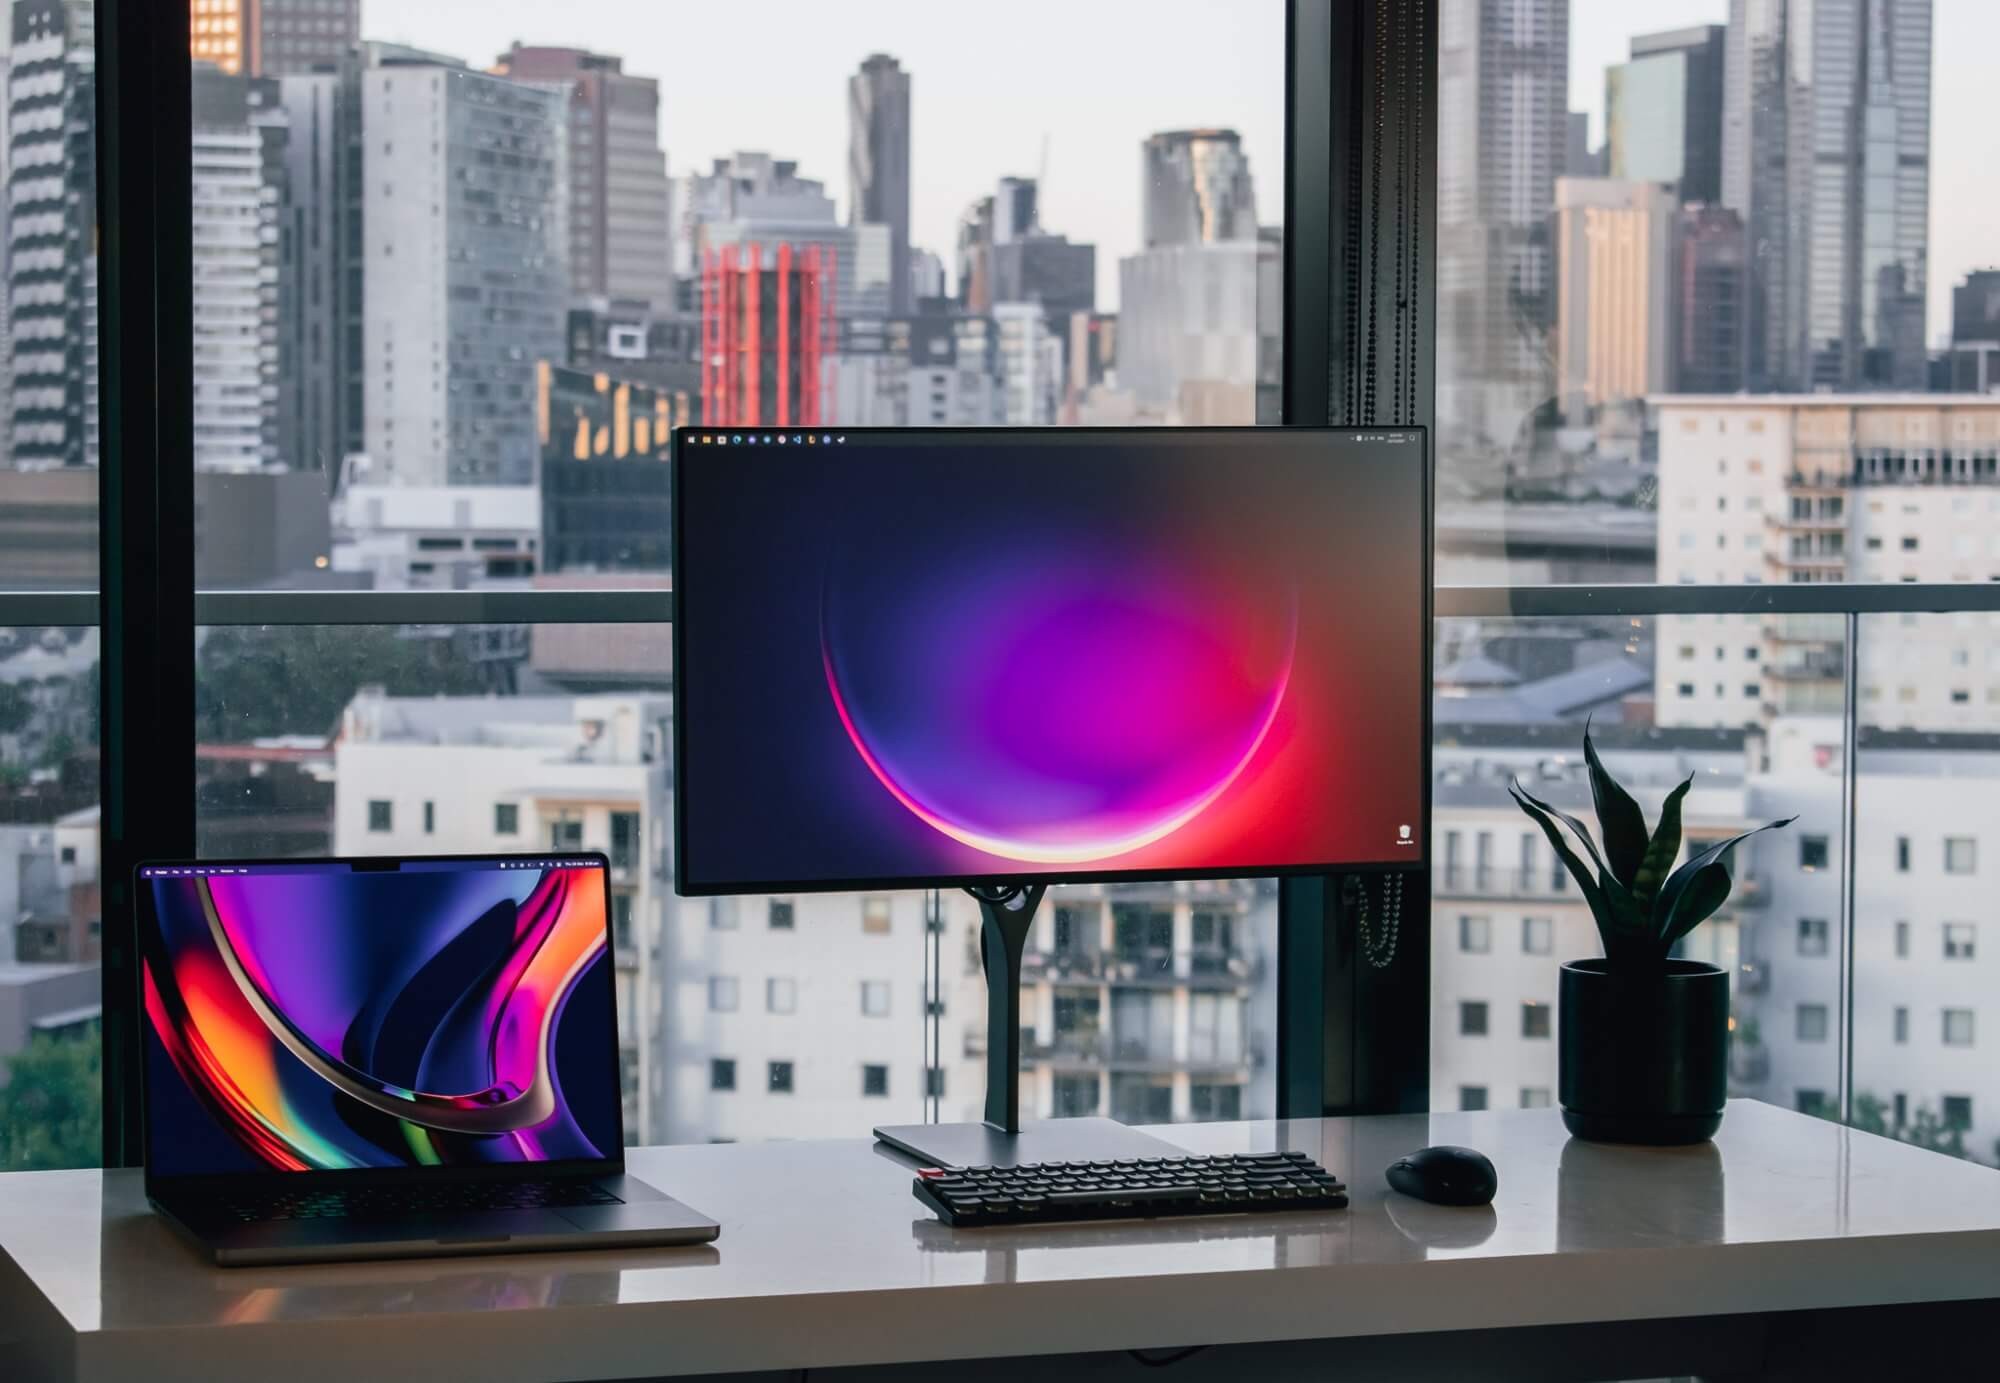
911	657
329	1015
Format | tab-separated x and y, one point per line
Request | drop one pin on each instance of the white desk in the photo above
1783	1213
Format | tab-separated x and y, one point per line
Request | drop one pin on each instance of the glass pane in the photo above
50	990
451	291
1667	698
48	326
1668	351
1925	938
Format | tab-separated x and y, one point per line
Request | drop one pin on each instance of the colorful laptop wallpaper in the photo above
310	1017
915	660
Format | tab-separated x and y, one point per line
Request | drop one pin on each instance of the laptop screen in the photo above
332	1015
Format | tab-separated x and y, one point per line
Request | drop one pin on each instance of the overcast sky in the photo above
990	81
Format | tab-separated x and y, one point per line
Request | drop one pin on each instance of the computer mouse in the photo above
1445	1176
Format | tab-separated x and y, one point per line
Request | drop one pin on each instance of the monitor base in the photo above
1051	1140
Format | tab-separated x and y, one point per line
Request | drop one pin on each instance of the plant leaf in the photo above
1667	910
1618	817
1705	892
1582	834
1544	817
1666	844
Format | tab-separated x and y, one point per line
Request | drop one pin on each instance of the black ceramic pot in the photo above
1644	1059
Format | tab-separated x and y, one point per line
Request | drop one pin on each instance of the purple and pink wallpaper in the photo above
917	659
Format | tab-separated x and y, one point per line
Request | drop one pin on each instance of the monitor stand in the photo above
1008	914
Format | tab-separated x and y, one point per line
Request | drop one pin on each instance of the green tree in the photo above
293	681
51	1109
1925	1129
16	709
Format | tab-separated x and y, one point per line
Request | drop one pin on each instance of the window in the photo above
1902	941
1537	935
1812	852
1902	854
1536	1019
780	1078
722	994
1902	1025
506	819
1957	1111
1813	933
1210	1101
875	998
721	1073
1812	1022
624	840
781	915
934	1082
1809	1101
621	921
1535	1097
723	914
875	911
1958	1027
1472	1097
874	1081
781	995
1475	934
1471	1018
1959	940
430	818
1961	855
566	832
381	816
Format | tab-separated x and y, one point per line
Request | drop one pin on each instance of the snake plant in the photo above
1642	904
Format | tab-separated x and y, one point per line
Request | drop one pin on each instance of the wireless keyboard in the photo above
1142	1188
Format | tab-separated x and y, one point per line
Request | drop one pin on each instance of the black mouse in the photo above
1445	1176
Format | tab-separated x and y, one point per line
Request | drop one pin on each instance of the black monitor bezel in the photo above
199	1184
1418	858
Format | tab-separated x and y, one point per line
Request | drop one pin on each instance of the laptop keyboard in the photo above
396	1202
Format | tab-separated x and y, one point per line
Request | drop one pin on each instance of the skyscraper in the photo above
1663	111
52	233
619	229
1826	156
752	197
878	162
242	299
1614	315
460	302
272	38
1197	189
1711	301
1502	138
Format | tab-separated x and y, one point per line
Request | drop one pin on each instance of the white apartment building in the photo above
1188	329
1030	365
1927	964
463	775
1805	488
436	537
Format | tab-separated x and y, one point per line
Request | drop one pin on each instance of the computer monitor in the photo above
1006	658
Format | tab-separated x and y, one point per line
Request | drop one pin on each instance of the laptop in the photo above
388	1058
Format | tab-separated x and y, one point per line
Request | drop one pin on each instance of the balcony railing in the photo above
1201	967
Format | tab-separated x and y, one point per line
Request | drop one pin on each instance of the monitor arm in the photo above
1008	915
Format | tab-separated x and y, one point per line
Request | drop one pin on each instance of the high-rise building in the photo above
974	262
606	500
935	369
1975	307
767	329
1711	293
323	390
52	234
272	38
752	197
619	227
1663	112
1614	298
1579	159
1197	189
1030	365
1826	156
927	278
460	300
1188	333
878	162
243	294
1503	103
1820	487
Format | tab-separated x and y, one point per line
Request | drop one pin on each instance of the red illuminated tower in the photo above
767	323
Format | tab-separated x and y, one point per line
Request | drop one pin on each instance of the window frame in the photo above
1360	74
